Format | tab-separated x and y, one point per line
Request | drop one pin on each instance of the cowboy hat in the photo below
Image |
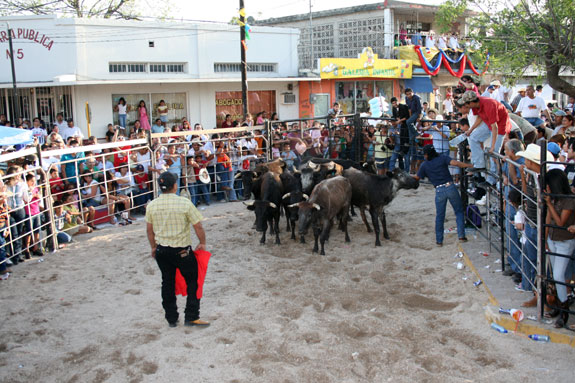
204	176
495	83
533	153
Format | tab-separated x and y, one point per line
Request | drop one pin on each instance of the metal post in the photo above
502	216
16	101
244	64
357	137
330	137
541	278
268	130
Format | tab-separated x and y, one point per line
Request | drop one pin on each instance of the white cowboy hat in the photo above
533	153
204	176
495	83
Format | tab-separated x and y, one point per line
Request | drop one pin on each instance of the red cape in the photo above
202	257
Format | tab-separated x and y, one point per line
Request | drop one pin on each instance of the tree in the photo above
120	9
524	35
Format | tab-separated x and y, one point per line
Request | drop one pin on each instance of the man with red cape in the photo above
169	220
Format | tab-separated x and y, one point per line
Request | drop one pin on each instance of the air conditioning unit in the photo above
288	98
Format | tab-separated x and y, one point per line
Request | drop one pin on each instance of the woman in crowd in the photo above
123	109
566	123
560	212
15	189
143	113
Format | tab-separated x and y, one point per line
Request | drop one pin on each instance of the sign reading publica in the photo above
366	65
28	34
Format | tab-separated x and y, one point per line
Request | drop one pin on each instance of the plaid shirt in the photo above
171	217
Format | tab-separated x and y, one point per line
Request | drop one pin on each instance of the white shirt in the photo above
441	44
48	162
429	42
448	105
122	109
144	160
40	134
453	43
67	132
531	107
61	125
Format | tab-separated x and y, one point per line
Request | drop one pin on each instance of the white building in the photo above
62	65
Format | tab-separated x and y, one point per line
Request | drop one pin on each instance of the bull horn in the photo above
330	165
305	196
272	205
316	206
238	175
249	203
286	195
255	174
312	165
294	205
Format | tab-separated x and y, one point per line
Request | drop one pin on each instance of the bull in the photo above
267	209
330	199
375	192
293	194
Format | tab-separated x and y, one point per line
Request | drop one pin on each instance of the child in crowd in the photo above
32	220
142	192
56	184
288	156
276	150
202	189
61	217
190	178
75	225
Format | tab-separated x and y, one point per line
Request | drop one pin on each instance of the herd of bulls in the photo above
317	193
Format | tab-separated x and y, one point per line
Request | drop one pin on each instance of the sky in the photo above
224	10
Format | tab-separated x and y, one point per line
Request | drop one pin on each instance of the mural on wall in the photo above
231	103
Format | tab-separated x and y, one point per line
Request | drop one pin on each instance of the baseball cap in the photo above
553	148
559	113
140	167
469	96
167	181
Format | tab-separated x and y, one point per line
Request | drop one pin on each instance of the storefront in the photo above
231	103
352	83
44	102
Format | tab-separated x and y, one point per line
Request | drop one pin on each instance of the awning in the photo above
13	136
419	84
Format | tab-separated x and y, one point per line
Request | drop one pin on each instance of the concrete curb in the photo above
523	328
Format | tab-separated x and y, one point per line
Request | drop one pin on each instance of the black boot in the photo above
563	316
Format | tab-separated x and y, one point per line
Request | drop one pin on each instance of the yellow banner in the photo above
407	52
367	65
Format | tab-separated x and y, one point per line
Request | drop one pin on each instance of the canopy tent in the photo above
13	136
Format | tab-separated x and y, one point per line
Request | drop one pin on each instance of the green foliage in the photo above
120	9
448	14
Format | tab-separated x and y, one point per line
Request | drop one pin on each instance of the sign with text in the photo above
231	103
366	65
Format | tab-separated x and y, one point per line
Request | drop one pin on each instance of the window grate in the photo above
252	67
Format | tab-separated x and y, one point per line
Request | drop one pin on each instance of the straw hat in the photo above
533	153
495	83
204	176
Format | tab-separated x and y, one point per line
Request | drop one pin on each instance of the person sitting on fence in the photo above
91	196
111	197
142	192
75	225
56	184
32	222
73	164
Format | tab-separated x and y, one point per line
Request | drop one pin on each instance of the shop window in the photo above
176	102
345	96
231	103
353	96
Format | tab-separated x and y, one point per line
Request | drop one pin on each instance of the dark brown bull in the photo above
330	199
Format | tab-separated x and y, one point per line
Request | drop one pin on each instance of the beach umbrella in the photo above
202	258
13	136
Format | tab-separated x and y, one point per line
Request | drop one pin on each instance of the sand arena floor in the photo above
398	313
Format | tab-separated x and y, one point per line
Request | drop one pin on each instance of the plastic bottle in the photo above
504	311
499	328
539	338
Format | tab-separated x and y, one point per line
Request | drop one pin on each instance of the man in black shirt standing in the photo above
400	133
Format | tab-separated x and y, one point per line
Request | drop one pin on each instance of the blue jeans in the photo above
395	155
535	121
442	195
16	229
63	237
412	134
2	251
513	244
142	196
200	189
122	120
560	263
226	178
529	260
476	138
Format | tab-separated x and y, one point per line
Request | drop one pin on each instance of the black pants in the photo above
169	259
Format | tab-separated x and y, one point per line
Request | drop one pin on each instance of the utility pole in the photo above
15	98
244	64
310	38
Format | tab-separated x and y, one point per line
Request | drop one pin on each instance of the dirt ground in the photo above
398	313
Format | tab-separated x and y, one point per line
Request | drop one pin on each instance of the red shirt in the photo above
56	187
427	139
492	111
142	180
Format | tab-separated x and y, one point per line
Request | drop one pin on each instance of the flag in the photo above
243	12
248	30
